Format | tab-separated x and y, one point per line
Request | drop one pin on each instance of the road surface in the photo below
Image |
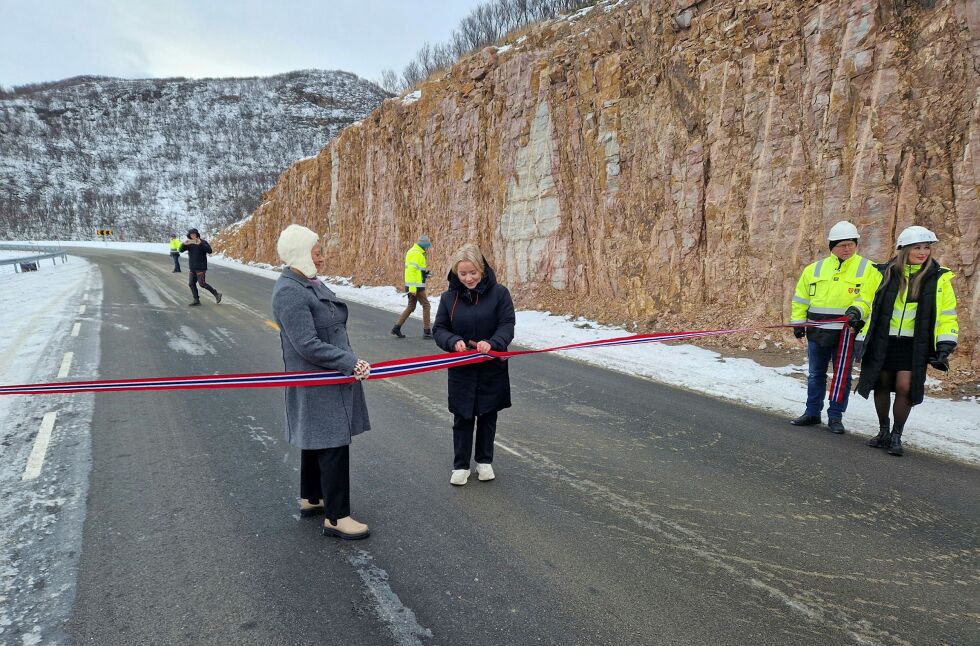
624	512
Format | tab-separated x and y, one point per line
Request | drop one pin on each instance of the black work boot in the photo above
806	420
883	438
217	297
397	331
895	447
426	334
196	302
836	426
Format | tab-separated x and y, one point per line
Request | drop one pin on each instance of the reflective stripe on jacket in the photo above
414	264
828	287
902	323
934	320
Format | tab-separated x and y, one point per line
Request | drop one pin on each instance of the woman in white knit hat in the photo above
320	420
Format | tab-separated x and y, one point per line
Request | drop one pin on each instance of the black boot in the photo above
196	302
397	331
426	334
895	446
836	426
883	439
806	420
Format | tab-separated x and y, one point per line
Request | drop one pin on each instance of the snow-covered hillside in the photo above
142	157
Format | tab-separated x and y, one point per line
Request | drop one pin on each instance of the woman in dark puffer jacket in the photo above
475	313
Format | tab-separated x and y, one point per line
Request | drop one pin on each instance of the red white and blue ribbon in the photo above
842	360
381	370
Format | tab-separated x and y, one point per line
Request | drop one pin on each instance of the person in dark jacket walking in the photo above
475	313
913	324
197	261
320	420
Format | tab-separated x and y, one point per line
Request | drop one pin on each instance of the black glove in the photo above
853	315
858	351
425	275
940	360
799	332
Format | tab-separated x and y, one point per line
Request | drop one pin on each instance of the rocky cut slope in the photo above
668	163
142	157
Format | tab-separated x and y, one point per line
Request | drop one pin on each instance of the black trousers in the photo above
486	429
324	474
176	257
198	277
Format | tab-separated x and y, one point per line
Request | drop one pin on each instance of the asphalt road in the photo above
624	512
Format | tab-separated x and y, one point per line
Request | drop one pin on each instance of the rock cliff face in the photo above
667	163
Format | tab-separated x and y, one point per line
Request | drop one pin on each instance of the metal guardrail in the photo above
19	263
10	246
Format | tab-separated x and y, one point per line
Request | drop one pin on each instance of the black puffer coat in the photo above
197	255
923	344
485	313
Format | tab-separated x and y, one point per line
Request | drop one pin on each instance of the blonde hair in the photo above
896	268
469	252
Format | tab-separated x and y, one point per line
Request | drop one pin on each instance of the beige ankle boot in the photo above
346	528
306	508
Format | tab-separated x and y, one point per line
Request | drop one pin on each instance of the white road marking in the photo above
400	620
75	329
245	308
508	449
36	460
65	365
81	309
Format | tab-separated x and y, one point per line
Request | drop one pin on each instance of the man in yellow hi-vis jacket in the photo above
416	273
175	252
828	289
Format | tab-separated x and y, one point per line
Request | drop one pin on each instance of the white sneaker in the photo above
484	472
459	476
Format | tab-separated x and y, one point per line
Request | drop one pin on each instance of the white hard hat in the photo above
915	235
843	230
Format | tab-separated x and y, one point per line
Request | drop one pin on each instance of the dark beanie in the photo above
834	243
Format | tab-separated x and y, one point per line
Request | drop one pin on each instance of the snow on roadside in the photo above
945	427
110	245
26	329
41	519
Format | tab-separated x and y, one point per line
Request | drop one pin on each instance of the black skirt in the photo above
898	356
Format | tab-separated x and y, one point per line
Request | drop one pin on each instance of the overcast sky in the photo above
47	40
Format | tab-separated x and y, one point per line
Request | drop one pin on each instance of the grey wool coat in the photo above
313	331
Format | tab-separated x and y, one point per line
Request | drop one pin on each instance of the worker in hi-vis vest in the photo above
175	252
416	273
828	290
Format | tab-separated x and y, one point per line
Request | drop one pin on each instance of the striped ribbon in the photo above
844	355
382	370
